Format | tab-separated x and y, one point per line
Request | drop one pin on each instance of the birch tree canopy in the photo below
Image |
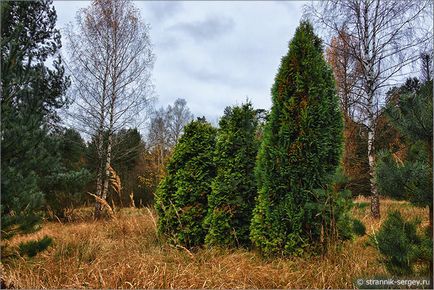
386	39
111	59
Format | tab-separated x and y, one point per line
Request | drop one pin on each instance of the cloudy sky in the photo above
213	54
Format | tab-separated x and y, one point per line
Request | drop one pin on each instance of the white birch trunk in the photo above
375	199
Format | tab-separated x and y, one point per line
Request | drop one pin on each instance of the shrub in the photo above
32	248
400	244
358	227
181	198
233	191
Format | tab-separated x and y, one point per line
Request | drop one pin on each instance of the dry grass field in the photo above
126	253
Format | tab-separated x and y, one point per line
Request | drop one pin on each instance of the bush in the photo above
181	198
406	180
400	244
32	248
358	227
231	201
67	191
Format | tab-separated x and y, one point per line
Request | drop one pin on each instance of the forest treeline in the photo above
279	181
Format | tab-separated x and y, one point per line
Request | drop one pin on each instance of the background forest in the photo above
328	188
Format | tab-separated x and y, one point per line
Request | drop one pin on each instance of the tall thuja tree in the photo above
300	150
30	94
181	198
231	201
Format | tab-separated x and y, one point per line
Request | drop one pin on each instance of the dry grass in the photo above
126	253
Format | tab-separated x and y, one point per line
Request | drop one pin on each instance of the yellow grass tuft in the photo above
127	253
115	180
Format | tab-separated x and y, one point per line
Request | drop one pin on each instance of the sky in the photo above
213	54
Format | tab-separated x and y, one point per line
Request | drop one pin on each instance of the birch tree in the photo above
179	115
386	39
166	127
110	62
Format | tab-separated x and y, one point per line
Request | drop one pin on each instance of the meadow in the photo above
126	252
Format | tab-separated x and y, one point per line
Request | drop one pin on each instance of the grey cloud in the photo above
206	29
162	10
222	77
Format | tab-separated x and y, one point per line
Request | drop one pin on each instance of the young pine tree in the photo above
31	92
411	178
181	198
234	189
300	150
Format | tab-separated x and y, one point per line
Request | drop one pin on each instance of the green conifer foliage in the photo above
401	245
234	188
411	178
181	198
31	94
300	151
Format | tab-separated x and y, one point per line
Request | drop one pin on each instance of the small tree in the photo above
31	93
411	179
401	245
300	150
65	188
181	198
231	201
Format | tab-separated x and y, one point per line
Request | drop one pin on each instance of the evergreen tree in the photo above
402	246
181	198
30	94
300	150
410	178
128	162
231	201
64	186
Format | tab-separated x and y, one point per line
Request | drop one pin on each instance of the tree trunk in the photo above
375	198
108	153
431	235
97	213
107	167
99	178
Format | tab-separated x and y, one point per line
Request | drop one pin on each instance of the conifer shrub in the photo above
331	207
234	189
182	196
300	151
358	227
401	245
32	248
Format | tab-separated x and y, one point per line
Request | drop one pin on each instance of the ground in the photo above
127	253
